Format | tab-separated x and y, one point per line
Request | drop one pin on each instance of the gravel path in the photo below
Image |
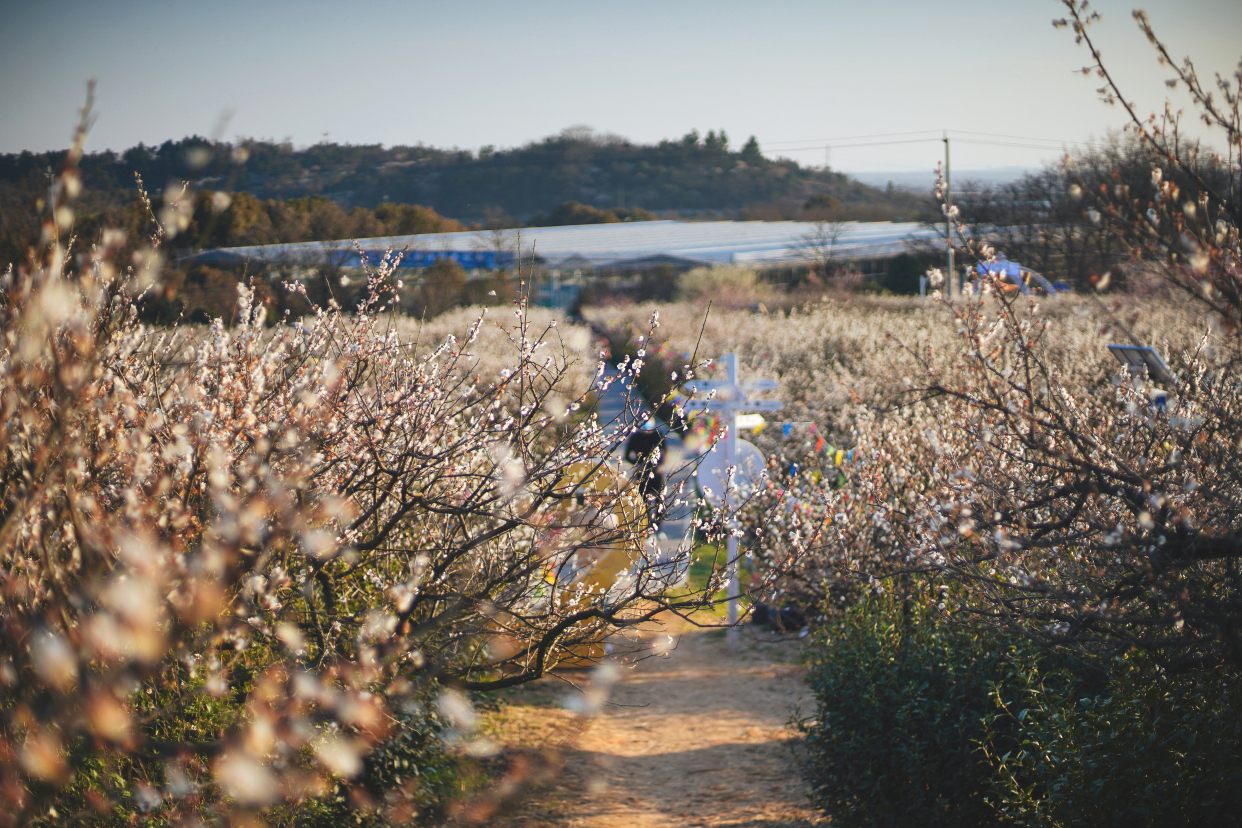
698	738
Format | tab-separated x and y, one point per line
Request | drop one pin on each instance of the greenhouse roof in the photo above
603	245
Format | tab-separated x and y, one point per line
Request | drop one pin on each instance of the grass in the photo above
704	561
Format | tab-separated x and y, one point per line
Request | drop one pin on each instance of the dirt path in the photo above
698	738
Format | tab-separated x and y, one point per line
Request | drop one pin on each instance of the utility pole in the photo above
950	274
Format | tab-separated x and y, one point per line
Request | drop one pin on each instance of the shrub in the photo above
901	704
923	721
440	289
573	212
903	273
1152	751
730	286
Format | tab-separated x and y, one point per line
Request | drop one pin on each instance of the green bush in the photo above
572	212
408	780
903	273
921	721
902	703
1156	750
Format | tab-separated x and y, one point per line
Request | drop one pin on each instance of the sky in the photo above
796	74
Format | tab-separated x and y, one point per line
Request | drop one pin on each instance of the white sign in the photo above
734	405
751	421
705	386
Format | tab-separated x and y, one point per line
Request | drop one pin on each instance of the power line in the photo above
1016	144
1003	143
1019	137
1009	140
863	144
878	143
822	141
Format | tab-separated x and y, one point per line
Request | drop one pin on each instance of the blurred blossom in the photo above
42	757
260	737
509	470
290	636
108	717
147	797
457	709
591	700
339	755
378	623
197	157
178	783
53	658
64	218
57	301
483	748
246	780
319	543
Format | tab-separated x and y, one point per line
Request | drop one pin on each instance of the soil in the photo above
697	737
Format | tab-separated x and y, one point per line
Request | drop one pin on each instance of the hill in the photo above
689	176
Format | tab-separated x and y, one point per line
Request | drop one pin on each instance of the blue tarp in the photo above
1012	269
1020	276
468	259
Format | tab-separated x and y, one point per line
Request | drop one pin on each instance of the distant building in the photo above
588	248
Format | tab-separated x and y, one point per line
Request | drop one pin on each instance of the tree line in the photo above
606	172
1046	219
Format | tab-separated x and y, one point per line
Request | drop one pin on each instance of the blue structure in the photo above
1021	276
309	253
468	259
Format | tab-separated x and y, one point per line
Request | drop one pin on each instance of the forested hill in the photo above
691	175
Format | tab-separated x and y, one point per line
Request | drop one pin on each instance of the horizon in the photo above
734	146
910	180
